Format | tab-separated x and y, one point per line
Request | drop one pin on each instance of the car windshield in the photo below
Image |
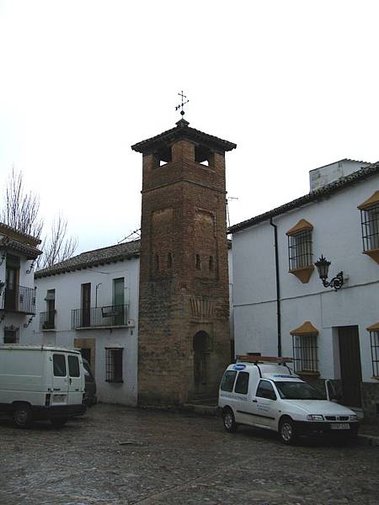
298	391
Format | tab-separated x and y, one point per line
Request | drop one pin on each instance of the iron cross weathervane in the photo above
181	106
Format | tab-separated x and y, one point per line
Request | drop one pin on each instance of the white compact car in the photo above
271	396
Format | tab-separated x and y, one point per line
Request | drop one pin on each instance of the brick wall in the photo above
183	278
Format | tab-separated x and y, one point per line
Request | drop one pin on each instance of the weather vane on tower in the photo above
181	106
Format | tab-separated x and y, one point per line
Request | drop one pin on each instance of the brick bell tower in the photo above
184	342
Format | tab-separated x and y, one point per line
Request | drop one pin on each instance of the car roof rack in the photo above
253	358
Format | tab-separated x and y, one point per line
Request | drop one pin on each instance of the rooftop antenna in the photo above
135	232
181	106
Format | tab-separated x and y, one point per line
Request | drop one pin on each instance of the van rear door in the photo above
60	379
75	379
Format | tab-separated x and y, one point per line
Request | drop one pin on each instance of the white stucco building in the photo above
18	252
91	302
280	304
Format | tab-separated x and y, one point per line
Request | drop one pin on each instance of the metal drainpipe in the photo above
278	307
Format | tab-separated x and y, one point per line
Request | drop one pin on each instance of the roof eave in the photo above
313	196
180	132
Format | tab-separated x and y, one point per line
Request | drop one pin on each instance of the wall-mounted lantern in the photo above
322	266
30	269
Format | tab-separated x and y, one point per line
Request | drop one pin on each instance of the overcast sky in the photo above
294	83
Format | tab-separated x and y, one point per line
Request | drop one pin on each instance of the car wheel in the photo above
22	416
229	422
287	430
57	422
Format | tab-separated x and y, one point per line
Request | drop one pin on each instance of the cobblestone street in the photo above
116	455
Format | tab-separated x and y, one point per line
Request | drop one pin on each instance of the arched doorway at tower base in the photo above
202	348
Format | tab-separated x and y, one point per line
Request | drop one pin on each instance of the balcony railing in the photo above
100	317
47	320
20	299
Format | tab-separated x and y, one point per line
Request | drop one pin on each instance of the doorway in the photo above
86	305
118	301
350	363
201	348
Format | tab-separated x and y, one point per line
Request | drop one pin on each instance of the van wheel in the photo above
57	422
287	430
22	416
229	422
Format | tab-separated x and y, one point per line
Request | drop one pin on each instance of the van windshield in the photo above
298	391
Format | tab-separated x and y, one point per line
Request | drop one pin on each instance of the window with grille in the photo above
374	343
305	353
300	250
300	255
11	335
114	365
370	228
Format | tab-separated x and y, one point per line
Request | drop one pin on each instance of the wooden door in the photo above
350	362
118	301
86	304
200	361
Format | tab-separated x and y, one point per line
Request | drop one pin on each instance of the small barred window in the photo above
300	250
370	228
374	344
113	364
305	353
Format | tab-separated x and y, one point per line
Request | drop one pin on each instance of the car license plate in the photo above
340	426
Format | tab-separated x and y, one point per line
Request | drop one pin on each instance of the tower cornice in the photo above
183	131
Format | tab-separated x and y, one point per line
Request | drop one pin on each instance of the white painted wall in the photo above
337	235
322	176
68	296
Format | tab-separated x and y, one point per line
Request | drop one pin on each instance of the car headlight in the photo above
315	417
354	418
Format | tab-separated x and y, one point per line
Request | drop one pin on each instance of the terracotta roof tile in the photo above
93	258
182	130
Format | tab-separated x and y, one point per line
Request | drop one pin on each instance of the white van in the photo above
39	382
265	393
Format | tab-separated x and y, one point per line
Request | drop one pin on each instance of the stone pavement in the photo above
122	456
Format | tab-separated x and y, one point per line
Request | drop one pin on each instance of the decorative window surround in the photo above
300	250
304	342
370	226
